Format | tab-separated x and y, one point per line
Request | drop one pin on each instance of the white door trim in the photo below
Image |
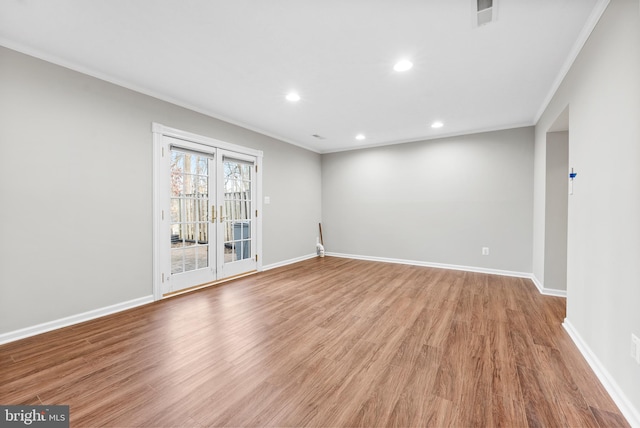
157	128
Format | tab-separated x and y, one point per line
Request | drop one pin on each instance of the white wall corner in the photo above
537	283
547	291
74	319
617	395
288	262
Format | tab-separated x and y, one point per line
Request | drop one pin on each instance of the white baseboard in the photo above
434	265
548	291
626	407
539	286
74	319
86	316
97	313
288	262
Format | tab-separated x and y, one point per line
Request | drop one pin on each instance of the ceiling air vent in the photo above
484	12
319	137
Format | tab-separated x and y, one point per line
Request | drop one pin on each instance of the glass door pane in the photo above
238	221
237	208
190	214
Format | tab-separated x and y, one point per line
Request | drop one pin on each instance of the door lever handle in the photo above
213	213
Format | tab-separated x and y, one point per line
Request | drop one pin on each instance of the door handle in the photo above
213	213
221	216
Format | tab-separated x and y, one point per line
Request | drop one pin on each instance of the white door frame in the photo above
161	219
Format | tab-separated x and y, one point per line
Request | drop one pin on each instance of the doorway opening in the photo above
556	205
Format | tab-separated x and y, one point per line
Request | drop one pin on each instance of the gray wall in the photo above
602	90
556	196
76	190
437	201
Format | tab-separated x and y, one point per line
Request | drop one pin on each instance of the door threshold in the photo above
208	284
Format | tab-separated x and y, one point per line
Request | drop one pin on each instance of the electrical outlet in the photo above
485	251
635	348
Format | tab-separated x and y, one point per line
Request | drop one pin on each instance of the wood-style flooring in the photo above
325	343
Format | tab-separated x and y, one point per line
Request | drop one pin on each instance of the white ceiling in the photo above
237	59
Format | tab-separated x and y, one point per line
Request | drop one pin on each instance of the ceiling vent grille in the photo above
484	12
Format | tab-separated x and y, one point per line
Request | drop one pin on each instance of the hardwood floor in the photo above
326	342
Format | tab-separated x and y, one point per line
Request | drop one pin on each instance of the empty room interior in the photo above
321	213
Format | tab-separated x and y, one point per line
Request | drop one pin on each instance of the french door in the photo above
192	213
206	211
237	213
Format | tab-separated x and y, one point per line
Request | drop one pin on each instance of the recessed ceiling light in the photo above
437	124
403	65
293	96
360	137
